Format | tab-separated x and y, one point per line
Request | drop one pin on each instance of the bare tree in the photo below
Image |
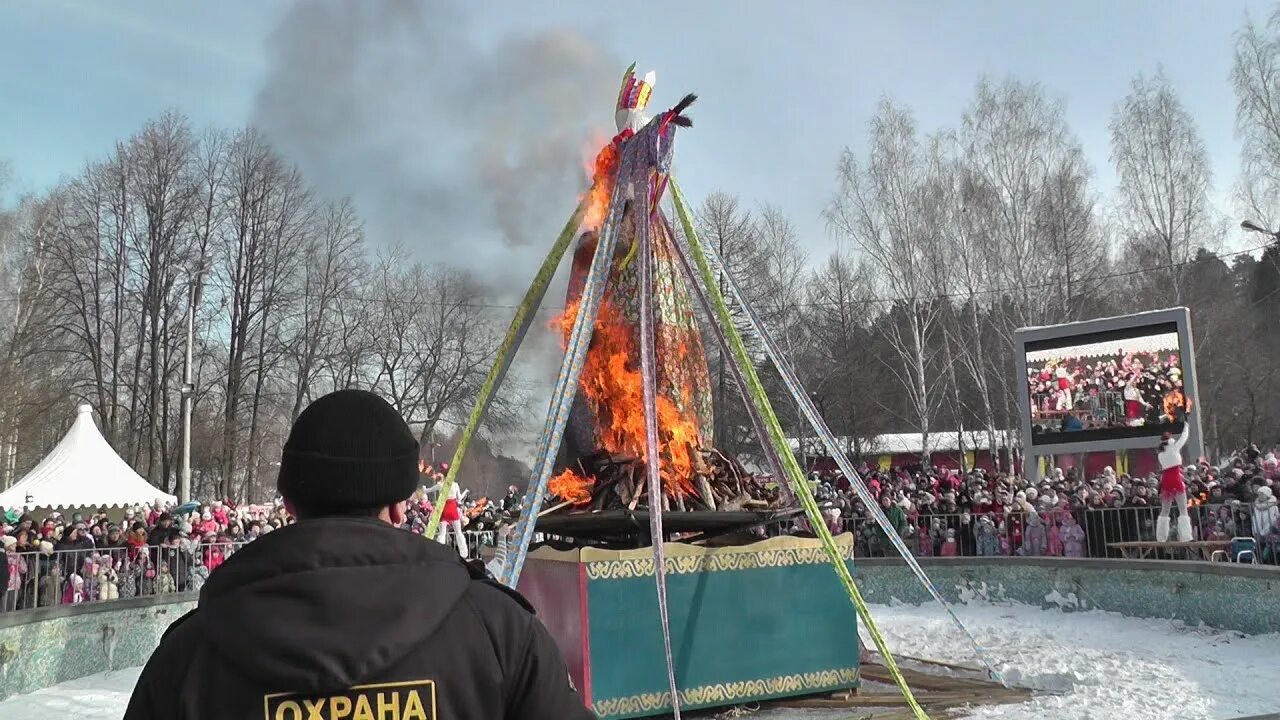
734	232
1024	186
843	369
332	266
1163	168
433	337
880	208
28	368
1255	76
269	209
163	193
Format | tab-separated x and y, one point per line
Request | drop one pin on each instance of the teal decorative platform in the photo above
748	623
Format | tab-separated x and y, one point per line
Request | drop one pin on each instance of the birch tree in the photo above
880	208
1164	181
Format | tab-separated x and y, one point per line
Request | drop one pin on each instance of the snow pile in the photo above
98	697
1103	664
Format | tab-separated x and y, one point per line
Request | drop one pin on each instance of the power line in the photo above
388	301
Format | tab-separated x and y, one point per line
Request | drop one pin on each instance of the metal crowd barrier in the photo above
68	577
1089	532
62	577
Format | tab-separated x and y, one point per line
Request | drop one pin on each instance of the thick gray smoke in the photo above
467	150
466	153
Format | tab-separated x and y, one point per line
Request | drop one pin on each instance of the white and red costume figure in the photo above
1172	486
1064	388
1133	403
451	516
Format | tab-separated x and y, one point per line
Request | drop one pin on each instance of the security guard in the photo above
342	616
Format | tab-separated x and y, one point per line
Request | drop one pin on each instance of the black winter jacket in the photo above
345	619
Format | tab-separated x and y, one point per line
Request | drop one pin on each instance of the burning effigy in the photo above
601	464
628	438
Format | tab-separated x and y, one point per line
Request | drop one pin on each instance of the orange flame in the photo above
602	180
611	380
571	487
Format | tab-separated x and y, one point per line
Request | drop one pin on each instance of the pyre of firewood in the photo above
618	482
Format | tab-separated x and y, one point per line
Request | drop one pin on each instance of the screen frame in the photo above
1180	317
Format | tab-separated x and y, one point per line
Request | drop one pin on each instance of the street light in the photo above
188	388
1252	226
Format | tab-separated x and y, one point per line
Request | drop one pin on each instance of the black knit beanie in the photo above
348	450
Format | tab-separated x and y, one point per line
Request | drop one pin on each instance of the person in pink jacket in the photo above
1072	537
950	548
1054	547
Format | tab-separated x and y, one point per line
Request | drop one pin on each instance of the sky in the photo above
783	86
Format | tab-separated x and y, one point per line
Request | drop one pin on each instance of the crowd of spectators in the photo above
138	551
947	512
57	559
64	559
1125	390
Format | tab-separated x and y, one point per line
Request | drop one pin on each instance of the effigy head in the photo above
633	98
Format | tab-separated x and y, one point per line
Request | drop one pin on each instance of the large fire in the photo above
572	487
611	381
603	176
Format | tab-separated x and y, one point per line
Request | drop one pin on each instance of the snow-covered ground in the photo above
1104	665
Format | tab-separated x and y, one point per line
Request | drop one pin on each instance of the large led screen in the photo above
1123	383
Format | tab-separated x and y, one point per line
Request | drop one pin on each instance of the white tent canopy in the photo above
82	471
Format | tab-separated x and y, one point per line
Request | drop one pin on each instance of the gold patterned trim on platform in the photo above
682	558
709	562
727	693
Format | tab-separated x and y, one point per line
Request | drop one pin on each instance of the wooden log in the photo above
636	500
554	508
708	495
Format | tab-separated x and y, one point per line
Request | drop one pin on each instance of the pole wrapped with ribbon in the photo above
516	332
810	411
794	474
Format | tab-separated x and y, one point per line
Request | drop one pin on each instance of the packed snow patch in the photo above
1101	665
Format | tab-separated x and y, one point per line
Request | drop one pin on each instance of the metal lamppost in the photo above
188	388
1252	226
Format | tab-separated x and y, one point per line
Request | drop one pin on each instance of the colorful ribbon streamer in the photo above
575	358
794	474
811	413
649	386
519	327
757	422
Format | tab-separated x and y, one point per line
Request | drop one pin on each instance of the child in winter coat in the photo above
1054	546
988	544
199	574
164	580
74	592
108	582
1072	537
924	540
1033	540
15	568
950	548
213	556
1002	532
1265	511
